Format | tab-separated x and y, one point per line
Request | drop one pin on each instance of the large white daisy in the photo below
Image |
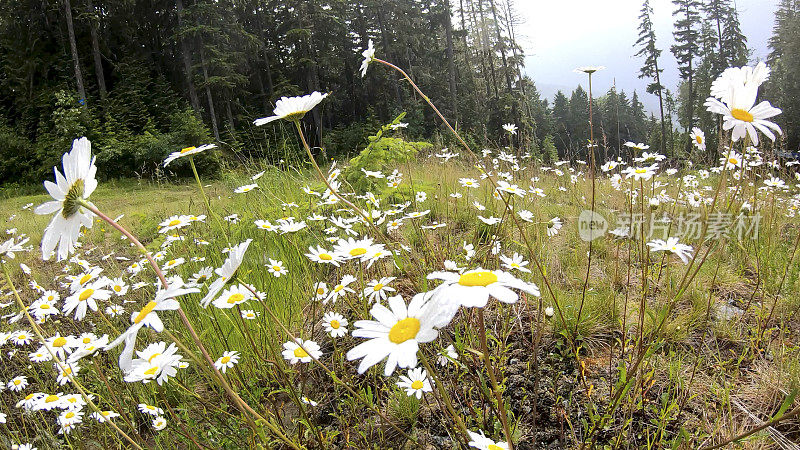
292	108
474	287
70	189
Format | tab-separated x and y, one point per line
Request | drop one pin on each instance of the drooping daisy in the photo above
335	324
395	334
103	416
415	383
369	55
246	188
226	272
188	151
68	192
474	287
201	276
292	108
156	362
300	351
377	290
163	301
553	226
226	361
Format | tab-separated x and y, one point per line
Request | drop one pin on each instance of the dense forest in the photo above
144	77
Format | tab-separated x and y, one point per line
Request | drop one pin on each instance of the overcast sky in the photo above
561	35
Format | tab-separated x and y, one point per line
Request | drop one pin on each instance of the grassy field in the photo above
636	349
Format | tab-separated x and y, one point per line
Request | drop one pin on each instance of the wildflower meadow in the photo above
414	294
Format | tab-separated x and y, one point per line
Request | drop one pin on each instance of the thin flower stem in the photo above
240	404
498	394
61	365
205	198
446	397
755	430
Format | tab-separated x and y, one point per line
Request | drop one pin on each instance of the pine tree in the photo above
686	49
650	53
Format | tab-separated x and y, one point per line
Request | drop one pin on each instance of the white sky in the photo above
559	35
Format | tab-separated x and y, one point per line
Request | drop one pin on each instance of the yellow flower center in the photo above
66	371
225	359
151	358
416	385
276	268
699	139
358	251
29	396
300	353
22	337
70	415
85	294
45	306
171	262
118	288
235	298
51	399
151	371
338	288
187	149
325	257
174	222
59	342
494	447
320	291
484	278
17	382
404	330
742	115
377	287
148	308
641	170
733	161
85	278
335	324
86	340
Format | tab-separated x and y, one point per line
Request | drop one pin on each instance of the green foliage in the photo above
383	154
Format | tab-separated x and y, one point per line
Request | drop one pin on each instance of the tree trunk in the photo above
661	111
488	49
502	46
451	64
74	48
98	63
211	112
187	60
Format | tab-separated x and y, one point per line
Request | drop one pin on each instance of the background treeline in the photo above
143	78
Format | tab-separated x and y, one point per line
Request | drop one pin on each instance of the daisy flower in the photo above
86	298
249	314
698	138
103	416
144	408
226	272
292	108
553	226
737	105
163	301
174	223
276	268
172	263
474	287
515	262
640	173
201	276
396	334
335	324
369	55
188	151
320	290
377	290
159	423
510	128
235	295
69	191
355	249
24	337
245	188
17	384
671	245
119	287
301	351
156	361
415	383
481	442
340	289
114	310
226	361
